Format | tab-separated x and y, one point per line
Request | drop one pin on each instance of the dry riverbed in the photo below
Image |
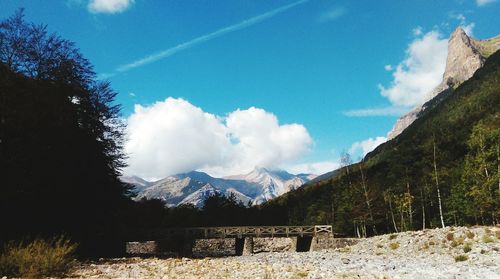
453	252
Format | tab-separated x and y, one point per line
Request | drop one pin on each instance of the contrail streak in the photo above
180	47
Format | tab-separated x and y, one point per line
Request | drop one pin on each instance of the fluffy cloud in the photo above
421	70
484	2
174	136
109	6
362	148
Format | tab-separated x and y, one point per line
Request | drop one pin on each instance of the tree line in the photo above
442	170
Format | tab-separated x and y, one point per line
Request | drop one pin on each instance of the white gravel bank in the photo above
421	254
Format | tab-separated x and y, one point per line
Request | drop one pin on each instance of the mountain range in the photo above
258	186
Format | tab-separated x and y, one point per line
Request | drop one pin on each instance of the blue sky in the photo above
315	63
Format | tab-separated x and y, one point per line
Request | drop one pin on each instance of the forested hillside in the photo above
443	169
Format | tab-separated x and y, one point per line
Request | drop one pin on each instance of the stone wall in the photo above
330	243
214	247
277	244
227	246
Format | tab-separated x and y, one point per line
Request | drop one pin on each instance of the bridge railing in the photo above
255	231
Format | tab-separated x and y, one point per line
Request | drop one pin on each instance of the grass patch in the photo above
39	258
457	242
346	249
461	258
393	236
467	248
394	245
470	234
487	238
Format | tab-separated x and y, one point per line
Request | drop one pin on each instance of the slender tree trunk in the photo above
498	165
392	215
367	198
437	185
423	208
402	220
410	209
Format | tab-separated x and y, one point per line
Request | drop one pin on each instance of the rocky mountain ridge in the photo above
465	56
256	187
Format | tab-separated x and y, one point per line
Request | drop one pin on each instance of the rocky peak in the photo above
465	56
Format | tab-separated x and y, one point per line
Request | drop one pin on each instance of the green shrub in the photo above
394	245
470	234
467	248
39	258
461	258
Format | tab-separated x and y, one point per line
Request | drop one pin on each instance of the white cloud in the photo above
109	6
417	31
317	168
467	27
484	2
174	136
361	148
385	111
332	14
420	72
388	67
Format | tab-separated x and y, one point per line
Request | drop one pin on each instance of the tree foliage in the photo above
60	140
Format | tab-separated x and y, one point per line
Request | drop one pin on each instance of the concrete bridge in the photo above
181	240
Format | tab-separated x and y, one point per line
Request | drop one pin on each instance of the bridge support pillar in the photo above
248	246
244	246
322	242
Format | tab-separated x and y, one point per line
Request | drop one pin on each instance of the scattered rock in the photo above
368	258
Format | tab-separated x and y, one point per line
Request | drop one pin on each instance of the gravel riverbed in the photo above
452	252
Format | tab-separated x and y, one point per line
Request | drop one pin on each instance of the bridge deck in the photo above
251	231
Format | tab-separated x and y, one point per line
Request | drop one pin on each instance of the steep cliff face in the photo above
465	56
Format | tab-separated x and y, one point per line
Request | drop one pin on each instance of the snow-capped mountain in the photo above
198	197
272	183
194	187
